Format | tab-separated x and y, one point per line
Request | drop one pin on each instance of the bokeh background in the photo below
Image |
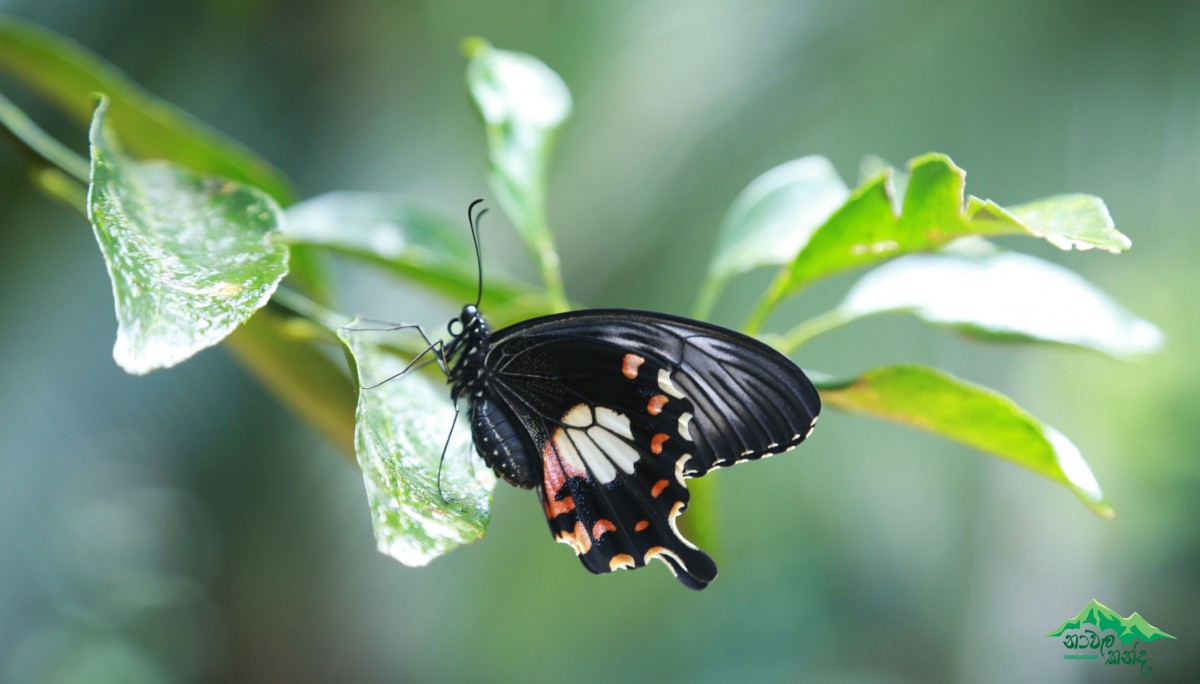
183	527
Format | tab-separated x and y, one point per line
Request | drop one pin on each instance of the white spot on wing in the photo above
658	552
679	468
613	421
616	450
675	511
601	467
591	440
683	426
579	416
567	452
666	385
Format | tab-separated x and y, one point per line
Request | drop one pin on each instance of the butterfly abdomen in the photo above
500	442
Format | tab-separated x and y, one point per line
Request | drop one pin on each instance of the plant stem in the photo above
41	143
805	331
548	262
768	302
303	306
60	186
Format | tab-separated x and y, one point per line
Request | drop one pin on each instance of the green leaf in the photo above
772	219
389	230
928	399
69	75
190	257
1001	296
522	103
866	230
401	431
1072	221
420	245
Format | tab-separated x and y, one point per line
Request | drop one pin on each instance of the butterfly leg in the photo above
436	346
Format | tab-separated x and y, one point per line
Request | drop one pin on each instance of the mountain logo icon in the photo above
1096	630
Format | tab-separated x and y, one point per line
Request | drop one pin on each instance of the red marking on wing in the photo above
629	365
602	525
554	479
641	525
658	488
656	442
655	406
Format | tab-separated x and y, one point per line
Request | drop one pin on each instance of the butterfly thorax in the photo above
466	352
493	430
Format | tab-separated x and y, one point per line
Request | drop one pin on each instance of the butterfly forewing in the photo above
606	412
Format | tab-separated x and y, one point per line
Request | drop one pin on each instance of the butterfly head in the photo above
469	315
470	329
469	335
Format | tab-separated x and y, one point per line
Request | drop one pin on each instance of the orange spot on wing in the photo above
658	488
602	525
656	404
630	364
621	560
577	539
555	508
641	525
656	442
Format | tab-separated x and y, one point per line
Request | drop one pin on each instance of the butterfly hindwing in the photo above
617	408
613	505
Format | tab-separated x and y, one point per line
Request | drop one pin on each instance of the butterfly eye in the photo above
468	315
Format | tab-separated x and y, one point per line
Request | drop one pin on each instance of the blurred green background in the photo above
182	527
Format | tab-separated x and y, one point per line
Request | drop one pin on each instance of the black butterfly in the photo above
607	412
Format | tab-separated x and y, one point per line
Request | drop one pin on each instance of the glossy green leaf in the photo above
190	257
928	399
772	219
421	245
1072	222
866	230
389	230
401	430
522	103
776	214
69	75
1002	296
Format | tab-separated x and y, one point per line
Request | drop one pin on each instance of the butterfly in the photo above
607	412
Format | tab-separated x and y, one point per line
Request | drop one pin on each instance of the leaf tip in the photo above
1077	474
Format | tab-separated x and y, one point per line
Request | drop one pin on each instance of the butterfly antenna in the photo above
473	221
